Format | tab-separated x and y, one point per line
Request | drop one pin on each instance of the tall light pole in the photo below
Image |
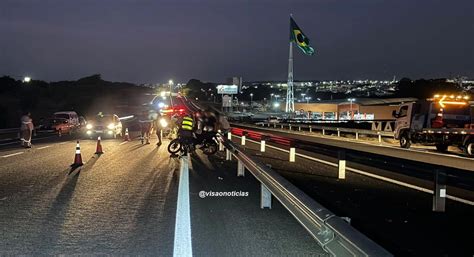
271	97
170	82
302	96
351	100
307	99
251	99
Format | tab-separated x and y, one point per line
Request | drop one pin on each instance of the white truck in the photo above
440	121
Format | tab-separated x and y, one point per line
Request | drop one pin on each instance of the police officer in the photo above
186	129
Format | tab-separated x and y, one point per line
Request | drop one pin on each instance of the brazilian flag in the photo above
301	40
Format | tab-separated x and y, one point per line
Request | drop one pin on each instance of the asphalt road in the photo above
398	218
124	202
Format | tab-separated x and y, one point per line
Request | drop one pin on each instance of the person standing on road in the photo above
26	129
157	126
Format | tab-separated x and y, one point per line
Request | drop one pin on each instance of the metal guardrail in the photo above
323	129
336	236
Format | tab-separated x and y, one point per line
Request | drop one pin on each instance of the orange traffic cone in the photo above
77	157
127	137
99	147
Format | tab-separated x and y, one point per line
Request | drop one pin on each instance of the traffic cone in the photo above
99	147
127	137
77	157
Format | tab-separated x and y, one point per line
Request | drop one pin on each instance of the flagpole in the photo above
290	100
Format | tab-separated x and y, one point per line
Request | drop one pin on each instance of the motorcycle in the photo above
206	142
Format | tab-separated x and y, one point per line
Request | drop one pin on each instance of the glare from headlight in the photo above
111	126
89	132
89	126
163	123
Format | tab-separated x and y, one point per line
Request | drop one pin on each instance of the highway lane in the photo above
124	202
430	158
121	203
239	227
398	218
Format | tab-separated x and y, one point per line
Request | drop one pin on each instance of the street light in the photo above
307	99
251	99
26	79
271	97
170	82
351	100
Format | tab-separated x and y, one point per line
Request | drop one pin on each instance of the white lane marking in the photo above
43	147
124	142
13	154
182	230
393	181
62	143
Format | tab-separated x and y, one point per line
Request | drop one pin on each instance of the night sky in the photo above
153	41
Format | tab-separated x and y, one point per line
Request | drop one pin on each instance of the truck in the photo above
441	121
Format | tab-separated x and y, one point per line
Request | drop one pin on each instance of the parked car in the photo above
57	125
105	125
71	116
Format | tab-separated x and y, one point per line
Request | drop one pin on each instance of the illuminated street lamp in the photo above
251	99
26	79
170	82
271	97
351	100
307	99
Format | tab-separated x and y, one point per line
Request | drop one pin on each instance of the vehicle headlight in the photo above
89	126
111	126
163	123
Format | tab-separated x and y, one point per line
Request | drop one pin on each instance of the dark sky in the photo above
153	41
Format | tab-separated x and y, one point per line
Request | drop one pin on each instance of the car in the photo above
71	116
105	125
57	125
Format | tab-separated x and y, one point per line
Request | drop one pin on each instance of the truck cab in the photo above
440	121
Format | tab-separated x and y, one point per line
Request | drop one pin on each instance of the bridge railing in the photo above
335	235
325	129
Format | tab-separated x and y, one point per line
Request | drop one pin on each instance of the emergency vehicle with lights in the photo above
440	121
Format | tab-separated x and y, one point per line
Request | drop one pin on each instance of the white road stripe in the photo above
393	181
182	230
13	154
124	142
43	147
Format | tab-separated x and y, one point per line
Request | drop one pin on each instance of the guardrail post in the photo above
274	125
292	153
299	128
289	126
240	169
357	135
34	132
228	155
324	132
310	129
262	144
380	137
265	197
221	146
338	133
242	139
342	164
281	126
439	195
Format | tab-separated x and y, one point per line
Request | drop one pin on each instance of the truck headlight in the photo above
111	126
89	126
163	123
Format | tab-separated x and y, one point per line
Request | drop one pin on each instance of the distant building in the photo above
235	81
360	109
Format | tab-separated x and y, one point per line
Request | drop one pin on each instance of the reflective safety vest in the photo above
187	123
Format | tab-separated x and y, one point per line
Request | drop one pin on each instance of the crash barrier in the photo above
335	235
325	129
435	175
